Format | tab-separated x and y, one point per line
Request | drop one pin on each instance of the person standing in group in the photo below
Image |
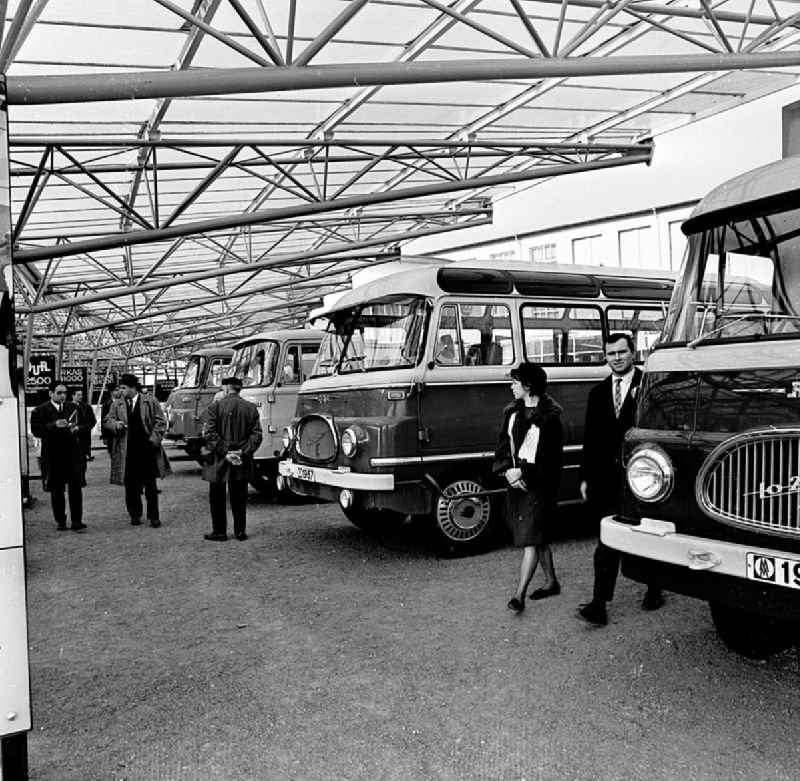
137	424
232	433
57	424
529	455
113	393
87	420
610	412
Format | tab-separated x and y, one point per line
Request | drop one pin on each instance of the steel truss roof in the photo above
275	146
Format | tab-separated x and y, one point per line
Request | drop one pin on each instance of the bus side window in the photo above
308	356
291	374
642	324
216	372
447	350
562	335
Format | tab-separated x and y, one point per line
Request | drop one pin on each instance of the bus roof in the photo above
205	351
767	189
505	277
279	335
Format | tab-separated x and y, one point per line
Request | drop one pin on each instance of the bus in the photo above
186	406
272	365
712	493
401	412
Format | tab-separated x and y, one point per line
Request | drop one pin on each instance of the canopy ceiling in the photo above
274	146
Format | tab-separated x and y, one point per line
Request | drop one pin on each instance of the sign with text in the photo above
41	372
74	377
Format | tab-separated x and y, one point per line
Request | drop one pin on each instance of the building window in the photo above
588	251
505	255
543	253
677	244
636	248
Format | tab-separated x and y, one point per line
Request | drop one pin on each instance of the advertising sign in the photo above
41	372
74	377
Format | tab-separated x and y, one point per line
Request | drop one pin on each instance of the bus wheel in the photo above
373	520
462	524
750	634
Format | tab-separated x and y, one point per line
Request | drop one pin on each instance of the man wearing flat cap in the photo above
137	425
232	434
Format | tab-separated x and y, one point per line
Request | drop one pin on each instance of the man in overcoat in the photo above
88	421
232	434
610	412
57	424
137	424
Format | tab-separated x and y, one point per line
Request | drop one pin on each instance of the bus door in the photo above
215	369
469	355
295	366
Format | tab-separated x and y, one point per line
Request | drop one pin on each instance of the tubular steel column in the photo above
15	709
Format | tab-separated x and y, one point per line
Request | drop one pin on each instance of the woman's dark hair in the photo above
532	376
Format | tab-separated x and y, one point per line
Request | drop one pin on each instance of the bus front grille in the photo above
316	438
753	480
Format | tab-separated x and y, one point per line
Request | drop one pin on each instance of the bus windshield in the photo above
194	372
255	363
740	282
383	334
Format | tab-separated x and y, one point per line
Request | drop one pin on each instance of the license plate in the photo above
773	569
305	473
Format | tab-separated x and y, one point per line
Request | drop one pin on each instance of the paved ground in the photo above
313	651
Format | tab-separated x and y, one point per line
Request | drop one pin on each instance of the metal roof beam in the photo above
41	90
318	256
344	16
338	204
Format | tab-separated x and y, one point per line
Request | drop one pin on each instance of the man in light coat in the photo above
232	434
137	425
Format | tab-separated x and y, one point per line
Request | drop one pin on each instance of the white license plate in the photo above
305	473
773	569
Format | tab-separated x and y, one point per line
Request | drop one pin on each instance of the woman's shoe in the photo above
515	604
543	593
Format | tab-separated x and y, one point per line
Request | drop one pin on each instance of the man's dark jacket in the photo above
231	424
62	458
603	435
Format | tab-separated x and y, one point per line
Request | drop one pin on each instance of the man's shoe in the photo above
215	537
136	521
155	524
594	614
653	599
241	536
62	527
78	527
543	593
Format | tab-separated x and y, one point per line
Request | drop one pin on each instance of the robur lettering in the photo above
770	490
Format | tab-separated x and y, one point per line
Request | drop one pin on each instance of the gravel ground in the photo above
313	651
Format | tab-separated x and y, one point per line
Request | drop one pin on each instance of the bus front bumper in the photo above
763	580
335	478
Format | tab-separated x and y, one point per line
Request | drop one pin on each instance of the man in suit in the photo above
232	433
57	424
136	422
610	412
87	420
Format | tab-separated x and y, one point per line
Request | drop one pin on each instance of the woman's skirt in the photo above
529	515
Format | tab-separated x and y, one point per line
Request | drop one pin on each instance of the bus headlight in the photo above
650	474
288	437
352	438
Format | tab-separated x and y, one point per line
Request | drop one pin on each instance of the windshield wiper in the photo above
766	316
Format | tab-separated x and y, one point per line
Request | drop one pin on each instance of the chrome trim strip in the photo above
335	478
405	460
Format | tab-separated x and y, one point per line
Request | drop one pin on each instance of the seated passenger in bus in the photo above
446	350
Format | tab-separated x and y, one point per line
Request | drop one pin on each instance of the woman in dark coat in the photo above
529	456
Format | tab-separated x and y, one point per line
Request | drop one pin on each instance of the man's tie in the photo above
59	408
617	395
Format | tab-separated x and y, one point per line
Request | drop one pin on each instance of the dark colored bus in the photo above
400	414
712	496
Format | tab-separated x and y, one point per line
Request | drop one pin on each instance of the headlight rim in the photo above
658	457
358	437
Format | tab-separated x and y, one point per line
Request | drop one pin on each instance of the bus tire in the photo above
462	527
373	520
750	634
